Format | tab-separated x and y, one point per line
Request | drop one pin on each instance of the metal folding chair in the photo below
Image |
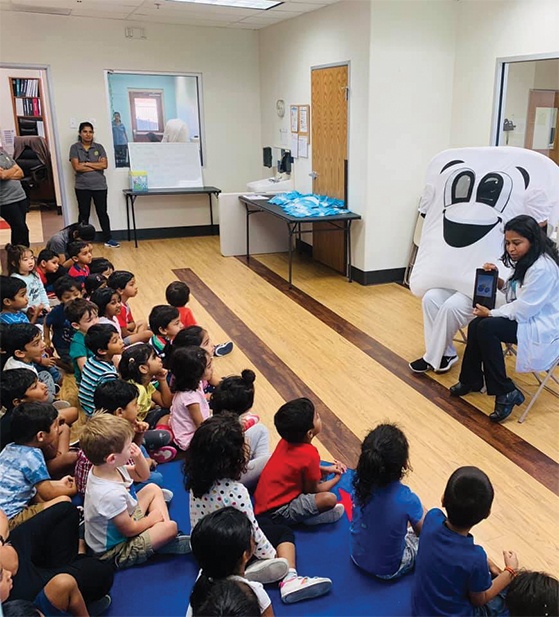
543	384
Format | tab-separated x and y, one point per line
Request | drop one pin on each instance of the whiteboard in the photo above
168	165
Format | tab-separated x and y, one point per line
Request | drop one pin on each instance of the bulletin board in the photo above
300	118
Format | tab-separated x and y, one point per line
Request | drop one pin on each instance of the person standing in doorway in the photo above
13	200
89	160
120	140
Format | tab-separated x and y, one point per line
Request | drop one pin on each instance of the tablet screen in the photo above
484	286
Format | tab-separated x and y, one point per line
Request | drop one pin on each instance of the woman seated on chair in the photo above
530	319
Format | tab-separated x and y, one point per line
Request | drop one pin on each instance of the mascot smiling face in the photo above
469	195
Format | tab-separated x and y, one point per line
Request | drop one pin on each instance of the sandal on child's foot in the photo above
164	454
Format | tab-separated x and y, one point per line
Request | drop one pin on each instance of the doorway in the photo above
329	126
542	123
27	133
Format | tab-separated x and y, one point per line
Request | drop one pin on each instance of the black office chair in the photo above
35	171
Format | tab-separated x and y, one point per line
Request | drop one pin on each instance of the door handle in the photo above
313	175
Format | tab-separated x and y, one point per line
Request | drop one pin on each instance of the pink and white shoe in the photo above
165	454
300	588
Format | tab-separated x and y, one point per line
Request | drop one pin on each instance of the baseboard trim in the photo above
161	233
376	277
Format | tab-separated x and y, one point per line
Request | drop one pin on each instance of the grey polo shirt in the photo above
92	180
10	190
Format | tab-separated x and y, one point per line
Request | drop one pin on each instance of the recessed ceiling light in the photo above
262	5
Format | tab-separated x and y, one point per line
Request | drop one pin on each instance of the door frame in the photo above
500	89
54	133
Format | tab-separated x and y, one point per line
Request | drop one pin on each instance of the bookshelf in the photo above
28	106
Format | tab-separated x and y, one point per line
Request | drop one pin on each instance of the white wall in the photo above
337	33
547	74
79	50
410	101
520	81
486	31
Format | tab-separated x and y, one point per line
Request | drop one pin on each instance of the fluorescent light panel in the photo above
262	5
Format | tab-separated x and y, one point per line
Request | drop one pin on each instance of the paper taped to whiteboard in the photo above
168	165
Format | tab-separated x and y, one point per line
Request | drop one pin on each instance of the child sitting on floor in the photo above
291	489
191	368
26	486
141	366
58	330
213	466
222	545
453	576
14	300
165	323
120	398
124	283
82	314
236	394
123	527
532	593
177	294
105	343
226	597
48	270
23	348
383	507
108	303
101	265
92	283
80	254
21	385
21	264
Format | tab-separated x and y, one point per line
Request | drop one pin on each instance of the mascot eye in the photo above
459	187
494	190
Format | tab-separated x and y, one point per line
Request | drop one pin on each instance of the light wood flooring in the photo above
358	374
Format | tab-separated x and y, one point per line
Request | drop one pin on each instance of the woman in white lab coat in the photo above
530	319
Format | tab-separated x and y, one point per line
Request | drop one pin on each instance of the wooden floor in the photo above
346	347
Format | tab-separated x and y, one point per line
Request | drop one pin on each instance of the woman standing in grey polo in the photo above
89	161
13	200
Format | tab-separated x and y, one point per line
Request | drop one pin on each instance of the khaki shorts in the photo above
133	551
25	515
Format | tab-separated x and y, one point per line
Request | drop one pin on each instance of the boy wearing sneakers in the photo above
291	489
122	527
177	294
105	343
453	576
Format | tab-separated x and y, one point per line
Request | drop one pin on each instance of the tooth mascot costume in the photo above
470	193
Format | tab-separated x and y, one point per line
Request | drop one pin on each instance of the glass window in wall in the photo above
154	108
529	106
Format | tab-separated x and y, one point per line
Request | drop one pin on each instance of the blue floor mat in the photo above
163	585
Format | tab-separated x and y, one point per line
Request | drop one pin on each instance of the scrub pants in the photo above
445	311
14	214
484	354
84	197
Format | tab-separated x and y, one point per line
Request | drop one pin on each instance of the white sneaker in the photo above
330	516
304	588
267	570
167	494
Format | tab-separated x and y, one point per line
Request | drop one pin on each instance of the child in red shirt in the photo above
177	294
80	254
291	489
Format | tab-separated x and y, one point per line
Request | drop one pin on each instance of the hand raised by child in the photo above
511	559
48	361
161	375
135	451
140	427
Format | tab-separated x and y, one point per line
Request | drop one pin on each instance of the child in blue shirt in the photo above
453	576
105	343
26	488
66	289
14	300
381	541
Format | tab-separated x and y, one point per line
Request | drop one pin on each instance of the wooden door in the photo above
329	88
542	123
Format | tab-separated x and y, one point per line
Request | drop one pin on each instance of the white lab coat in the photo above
536	309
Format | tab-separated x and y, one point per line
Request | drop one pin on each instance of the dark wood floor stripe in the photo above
540	466
340	441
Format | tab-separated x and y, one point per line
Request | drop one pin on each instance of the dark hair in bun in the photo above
235	393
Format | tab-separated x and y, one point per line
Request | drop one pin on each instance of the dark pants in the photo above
84	197
14	214
484	354
47	545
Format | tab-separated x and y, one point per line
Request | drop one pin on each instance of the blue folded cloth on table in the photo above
302	205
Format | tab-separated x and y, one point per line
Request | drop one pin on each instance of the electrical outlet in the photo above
73	123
